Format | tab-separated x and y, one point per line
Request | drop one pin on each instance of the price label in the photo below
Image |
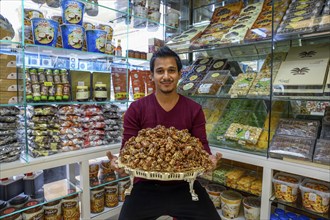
74	63
48	83
284	188
312	197
81	83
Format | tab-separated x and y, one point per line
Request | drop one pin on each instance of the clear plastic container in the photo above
252	208
293	147
322	152
297	127
286	187
230	203
315	195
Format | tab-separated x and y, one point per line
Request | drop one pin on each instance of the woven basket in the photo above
189	176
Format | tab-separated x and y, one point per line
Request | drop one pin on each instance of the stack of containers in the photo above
92	122
153	15
71	131
113	122
43	131
315	194
10	148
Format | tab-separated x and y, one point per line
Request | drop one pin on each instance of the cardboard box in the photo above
308	53
11	97
7	61
11	85
307	74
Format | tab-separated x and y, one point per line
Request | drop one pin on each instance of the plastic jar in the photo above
230	203
82	94
33	213
252	208
100	93
137	54
214	191
97	200
70	208
52	210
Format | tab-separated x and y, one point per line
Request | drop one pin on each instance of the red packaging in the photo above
150	84
119	83
137	80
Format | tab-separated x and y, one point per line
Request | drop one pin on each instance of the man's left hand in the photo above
215	159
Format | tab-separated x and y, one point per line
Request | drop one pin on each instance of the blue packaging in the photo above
72	12
291	215
283	217
95	40
302	217
72	36
279	211
273	217
44	31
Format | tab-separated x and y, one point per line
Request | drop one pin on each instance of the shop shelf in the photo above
11	105
76	103
52	192
298	206
300	98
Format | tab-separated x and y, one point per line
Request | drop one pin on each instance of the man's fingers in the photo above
218	155
109	155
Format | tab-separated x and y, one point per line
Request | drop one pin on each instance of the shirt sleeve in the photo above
131	123
198	129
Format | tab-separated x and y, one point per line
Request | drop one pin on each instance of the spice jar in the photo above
64	76
33	76
82	94
57	77
49	75
97	200
52	210
70	208
59	92
10	210
51	93
130	53
42	76
137	54
100	93
33	213
93	173
29	96
66	92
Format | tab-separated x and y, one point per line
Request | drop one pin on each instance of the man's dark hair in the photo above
165	52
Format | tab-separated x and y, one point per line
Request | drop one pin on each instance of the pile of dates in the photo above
165	150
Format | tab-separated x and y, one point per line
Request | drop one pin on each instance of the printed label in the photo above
205	88
101	94
284	188
312	197
214	75
82	95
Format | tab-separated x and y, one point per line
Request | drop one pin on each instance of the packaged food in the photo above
298	128
242	84
82	93
119	83
137	80
244	183
233	176
322	152
315	195
213	82
230	203
286	186
35	212
219	175
214	191
293	147
261	85
325	132
100	92
52	210
111	194
97	200
256	187
150	84
70	208
252	208
243	133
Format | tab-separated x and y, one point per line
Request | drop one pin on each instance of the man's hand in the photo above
114	163
215	159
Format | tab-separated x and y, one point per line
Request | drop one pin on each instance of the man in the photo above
151	199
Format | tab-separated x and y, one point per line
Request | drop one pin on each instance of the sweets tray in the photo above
189	176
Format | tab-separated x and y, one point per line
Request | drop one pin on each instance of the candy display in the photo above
298	128
10	146
243	133
286	187
212	82
261	85
322	152
292	146
242	84
233	176
315	195
164	154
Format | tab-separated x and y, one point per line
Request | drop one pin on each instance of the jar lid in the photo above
231	195
82	87
53	203
3	204
8	210
31	203
253	202
100	85
18	200
215	188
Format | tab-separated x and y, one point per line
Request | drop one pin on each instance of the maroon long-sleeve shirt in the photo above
147	113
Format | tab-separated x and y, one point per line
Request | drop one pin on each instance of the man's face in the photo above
166	75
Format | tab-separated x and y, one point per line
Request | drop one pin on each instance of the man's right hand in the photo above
114	163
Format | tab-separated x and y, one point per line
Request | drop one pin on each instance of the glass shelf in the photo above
216	144
301	98
115	181
227	96
76	103
52	192
9	47
298	206
11	105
